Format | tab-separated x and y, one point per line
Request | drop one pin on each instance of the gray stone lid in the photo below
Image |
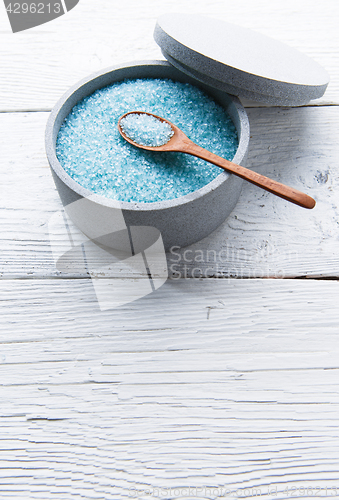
239	61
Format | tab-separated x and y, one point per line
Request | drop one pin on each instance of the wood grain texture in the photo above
231	385
39	65
206	388
272	186
264	236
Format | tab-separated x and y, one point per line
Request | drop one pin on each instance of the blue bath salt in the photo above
93	153
146	130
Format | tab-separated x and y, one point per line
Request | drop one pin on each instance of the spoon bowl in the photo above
179	142
175	143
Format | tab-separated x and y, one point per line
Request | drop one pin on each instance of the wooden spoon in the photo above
179	142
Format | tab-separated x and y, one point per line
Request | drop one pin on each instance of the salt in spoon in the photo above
179	142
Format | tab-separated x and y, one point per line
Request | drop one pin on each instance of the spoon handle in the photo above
286	192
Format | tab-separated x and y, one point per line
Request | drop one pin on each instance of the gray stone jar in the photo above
181	221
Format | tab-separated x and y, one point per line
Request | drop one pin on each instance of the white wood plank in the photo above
236	388
40	64
212	384
264	236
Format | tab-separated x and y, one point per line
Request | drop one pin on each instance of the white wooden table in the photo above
224	384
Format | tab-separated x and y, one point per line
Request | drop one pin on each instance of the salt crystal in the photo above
92	152
146	130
